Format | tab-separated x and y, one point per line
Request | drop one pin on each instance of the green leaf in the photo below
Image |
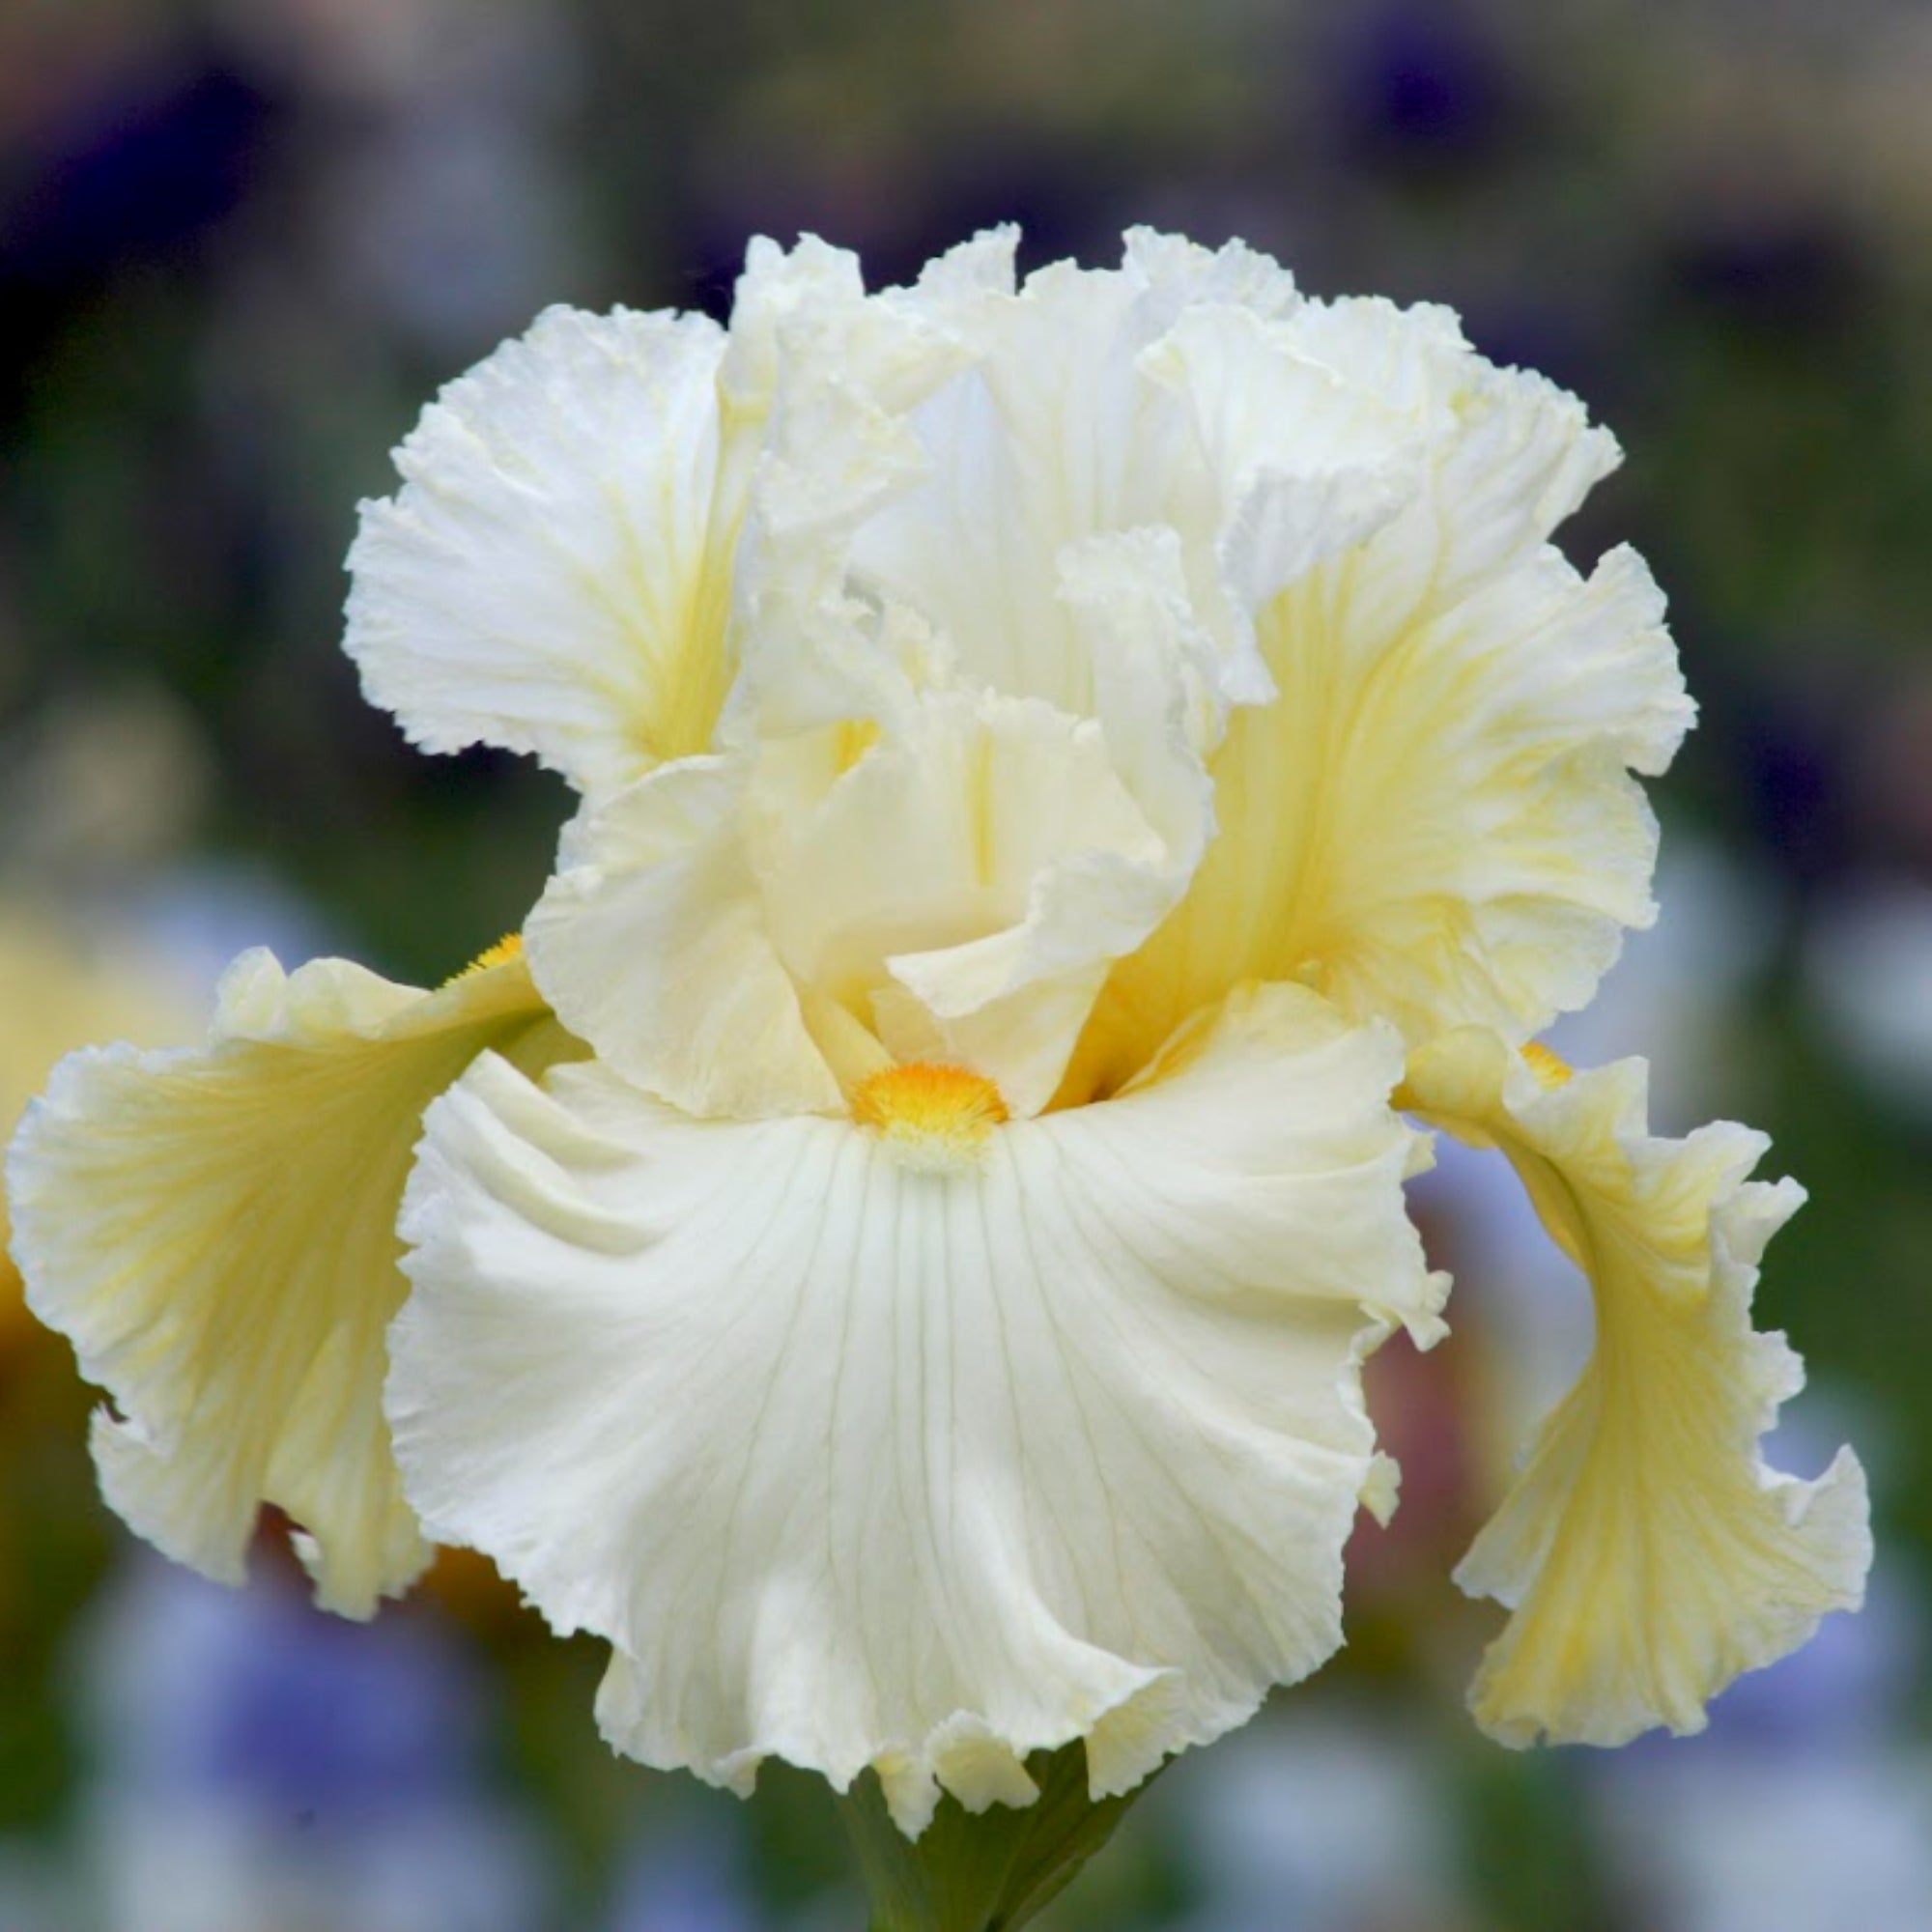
989	1873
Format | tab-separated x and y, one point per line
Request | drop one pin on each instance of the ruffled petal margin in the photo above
213	1228
1647	1553
554	575
857	1466
747	935
1435	820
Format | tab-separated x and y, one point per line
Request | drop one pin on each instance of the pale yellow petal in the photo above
215	1230
857	1462
62	985
806	309
1647	1553
1022	868
828	375
1511	455
953	885
1181	271
652	943
555	574
1432	822
1304	464
1053	434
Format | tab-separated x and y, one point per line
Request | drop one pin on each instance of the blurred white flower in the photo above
1058	761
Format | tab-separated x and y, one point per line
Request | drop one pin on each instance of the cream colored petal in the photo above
1647	1553
1433	819
1512	455
969	883
1304	463
62	984
952	890
1180	270
1153	682
856	1464
554	575
1053	434
807	307
1435	824
1024	867
1165	394
215	1230
1484	848
653	943
829	373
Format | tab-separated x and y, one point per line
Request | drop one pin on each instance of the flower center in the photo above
935	1119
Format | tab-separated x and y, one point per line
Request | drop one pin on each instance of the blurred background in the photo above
241	244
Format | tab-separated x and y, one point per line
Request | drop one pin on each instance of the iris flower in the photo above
1079	780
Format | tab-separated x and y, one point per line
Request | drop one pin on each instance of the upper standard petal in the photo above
1098	402
1434	819
554	575
602	520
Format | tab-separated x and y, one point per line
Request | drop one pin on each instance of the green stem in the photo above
989	1873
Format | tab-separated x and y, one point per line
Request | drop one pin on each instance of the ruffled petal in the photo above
829	375
1510	456
1167	394
856	1464
1055	434
1433	820
1304	464
808	306
58	986
730	931
554	575
990	864
1647	1553
652	944
601	519
215	1230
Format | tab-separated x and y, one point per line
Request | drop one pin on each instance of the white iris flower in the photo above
1064	769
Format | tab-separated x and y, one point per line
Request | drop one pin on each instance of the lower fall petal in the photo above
1647	1553
213	1228
858	1463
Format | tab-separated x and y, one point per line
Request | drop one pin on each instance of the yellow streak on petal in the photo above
1645	1549
1552	1071
852	739
215	1230
932	1119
